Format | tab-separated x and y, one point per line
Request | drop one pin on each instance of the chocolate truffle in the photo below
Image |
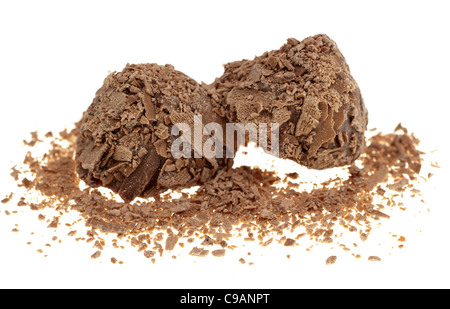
125	139
306	87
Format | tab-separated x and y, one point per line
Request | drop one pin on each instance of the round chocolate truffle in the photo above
126	138
307	89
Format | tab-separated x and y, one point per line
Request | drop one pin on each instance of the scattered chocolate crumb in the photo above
171	241
7	198
15	173
331	260
96	254
54	223
33	141
242	261
199	252
374	258
98	245
113	260
363	236
267	242
218	252
149	253
289	242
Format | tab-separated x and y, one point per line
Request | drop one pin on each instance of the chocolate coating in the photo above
125	136
306	87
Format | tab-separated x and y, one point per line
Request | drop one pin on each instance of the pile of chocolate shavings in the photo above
241	202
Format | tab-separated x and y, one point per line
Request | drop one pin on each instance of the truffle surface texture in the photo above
125	136
307	89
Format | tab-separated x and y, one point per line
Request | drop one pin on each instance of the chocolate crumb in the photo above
171	241
7	198
289	242
96	254
218	252
331	260
374	259
363	236
54	223
199	252
149	253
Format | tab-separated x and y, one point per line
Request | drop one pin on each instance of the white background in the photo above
54	55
